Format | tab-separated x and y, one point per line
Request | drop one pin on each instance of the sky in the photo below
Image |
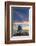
20	14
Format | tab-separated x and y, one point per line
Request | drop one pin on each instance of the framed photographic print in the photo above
19	22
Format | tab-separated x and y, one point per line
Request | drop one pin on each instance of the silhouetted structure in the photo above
19	28
20	32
